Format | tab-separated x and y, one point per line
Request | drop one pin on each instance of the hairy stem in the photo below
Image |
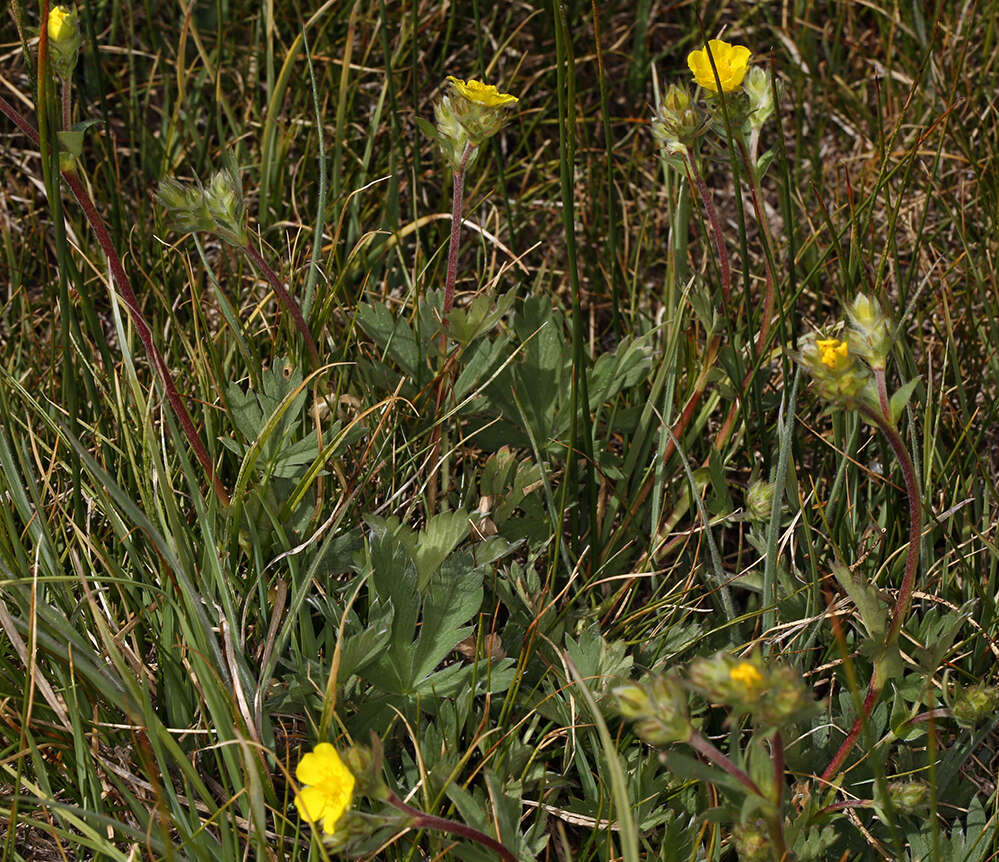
716	233
777	822
700	744
286	300
904	599
132	304
441	824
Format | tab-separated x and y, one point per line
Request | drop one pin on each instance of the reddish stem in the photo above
908	579
131	303
873	693
716	232
699	743
455	241
285	298
423	820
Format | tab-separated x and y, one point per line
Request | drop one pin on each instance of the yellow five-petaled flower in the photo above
731	61
328	787
62	24
481	94
834	354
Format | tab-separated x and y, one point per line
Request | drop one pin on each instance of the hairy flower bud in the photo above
752	841
970	706
218	209
677	123
758	87
64	40
870	330
659	709
909	797
759	500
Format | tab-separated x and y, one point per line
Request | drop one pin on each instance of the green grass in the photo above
464	555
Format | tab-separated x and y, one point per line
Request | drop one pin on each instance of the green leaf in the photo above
901	397
453	599
873	611
441	536
392	334
71	142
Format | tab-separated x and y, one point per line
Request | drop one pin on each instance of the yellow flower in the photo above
731	61
328	787
835	354
485	95
746	675
62	24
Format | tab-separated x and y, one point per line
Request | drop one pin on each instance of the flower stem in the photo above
285	299
768	299
423	820
455	241
776	823
145	335
882	387
699	743
67	108
719	240
132	304
915	526
901	608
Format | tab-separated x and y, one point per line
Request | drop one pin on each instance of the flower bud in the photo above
752	841
677	124
970	706
454	140
219	209
909	797
759	500
632	701
185	206
366	766
224	199
870	330
64	40
659	709
761	98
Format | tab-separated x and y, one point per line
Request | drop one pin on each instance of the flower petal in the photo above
315	766
312	804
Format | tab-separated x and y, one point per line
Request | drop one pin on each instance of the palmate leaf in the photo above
432	594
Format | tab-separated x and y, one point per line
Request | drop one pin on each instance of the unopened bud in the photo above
759	500
761	99
970	706
677	124
659	709
871	331
64	40
752	841
909	796
218	209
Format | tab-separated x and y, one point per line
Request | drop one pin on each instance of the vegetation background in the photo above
443	572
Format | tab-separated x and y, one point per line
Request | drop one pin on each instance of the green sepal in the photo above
429	129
